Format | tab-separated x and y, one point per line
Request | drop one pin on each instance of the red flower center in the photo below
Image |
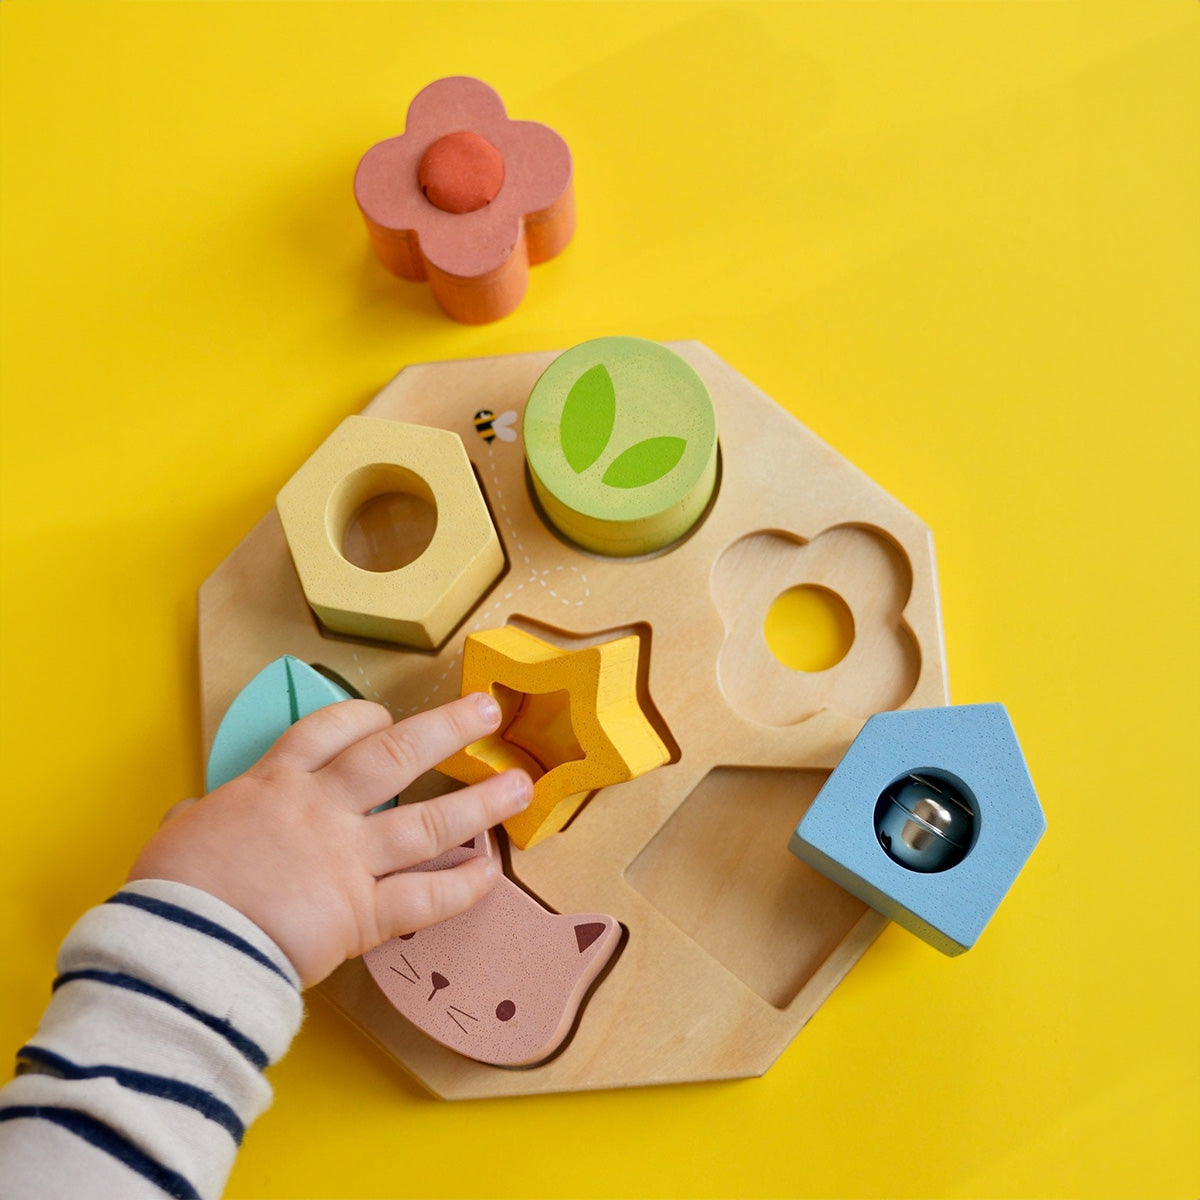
461	172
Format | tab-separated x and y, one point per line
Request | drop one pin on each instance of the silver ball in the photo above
924	823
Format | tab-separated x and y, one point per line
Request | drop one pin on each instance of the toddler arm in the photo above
174	995
148	1064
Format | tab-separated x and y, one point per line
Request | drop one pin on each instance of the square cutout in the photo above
721	871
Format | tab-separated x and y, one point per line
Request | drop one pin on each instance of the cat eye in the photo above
506	1010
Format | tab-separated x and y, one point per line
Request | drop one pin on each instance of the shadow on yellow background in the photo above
958	241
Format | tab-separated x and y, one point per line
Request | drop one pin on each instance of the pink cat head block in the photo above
467	198
503	982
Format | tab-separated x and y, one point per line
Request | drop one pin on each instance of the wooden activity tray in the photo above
732	942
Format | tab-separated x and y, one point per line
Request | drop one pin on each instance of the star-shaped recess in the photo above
571	718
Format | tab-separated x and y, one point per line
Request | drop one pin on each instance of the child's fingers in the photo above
376	768
417	899
317	739
415	833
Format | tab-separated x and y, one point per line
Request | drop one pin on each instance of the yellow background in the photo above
958	241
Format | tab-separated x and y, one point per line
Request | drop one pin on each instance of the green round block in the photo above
621	442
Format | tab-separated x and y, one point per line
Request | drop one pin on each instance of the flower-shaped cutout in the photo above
571	718
860	567
467	198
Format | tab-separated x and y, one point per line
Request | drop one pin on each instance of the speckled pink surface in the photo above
503	982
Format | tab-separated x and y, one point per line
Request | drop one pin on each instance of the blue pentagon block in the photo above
279	695
972	747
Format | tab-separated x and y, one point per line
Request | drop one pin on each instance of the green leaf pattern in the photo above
587	418
644	462
586	426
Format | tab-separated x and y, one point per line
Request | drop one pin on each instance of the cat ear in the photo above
587	933
481	843
595	936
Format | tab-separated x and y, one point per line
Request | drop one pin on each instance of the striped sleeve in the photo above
148	1064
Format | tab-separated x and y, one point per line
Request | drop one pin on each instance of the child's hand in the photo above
290	843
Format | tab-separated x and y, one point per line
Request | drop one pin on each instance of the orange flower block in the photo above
467	199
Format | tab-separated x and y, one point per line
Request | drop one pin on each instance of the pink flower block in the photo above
511	213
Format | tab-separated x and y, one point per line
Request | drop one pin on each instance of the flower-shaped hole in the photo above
535	732
381	517
792	648
809	628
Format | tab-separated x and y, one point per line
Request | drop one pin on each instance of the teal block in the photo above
974	748
278	696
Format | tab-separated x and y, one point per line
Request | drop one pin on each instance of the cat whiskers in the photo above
452	1010
402	975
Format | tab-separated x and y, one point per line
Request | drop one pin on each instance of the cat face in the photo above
501	983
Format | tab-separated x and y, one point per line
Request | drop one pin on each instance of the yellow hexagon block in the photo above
571	718
412	490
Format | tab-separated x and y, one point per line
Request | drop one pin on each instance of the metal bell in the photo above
924	823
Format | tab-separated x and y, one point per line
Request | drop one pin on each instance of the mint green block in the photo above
278	696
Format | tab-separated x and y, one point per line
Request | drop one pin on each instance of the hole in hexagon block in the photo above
416	538
416	605
392	518
721	871
535	733
809	628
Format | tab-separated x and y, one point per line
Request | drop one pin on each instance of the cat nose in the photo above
439	982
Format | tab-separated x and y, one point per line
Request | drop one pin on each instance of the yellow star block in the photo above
571	718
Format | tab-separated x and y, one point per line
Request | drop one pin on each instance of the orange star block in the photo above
571	718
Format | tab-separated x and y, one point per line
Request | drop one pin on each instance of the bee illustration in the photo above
491	426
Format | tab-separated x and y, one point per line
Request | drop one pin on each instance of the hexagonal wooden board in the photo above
732	943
